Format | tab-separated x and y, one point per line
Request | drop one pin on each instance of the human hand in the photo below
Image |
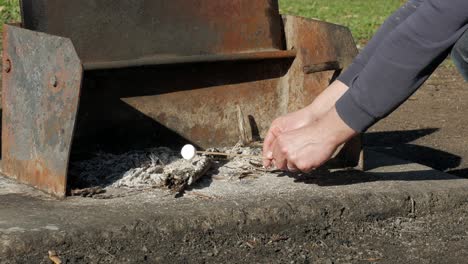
309	147
306	116
283	124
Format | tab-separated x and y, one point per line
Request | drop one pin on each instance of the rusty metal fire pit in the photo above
87	75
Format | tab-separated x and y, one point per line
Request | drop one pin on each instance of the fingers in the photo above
270	138
313	156
305	159
268	160
292	167
280	152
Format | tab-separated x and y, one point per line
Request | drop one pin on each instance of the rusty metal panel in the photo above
319	42
113	30
198	102
208	115
173	60
41	87
323	50
167	105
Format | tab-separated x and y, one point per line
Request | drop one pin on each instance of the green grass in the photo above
363	17
9	12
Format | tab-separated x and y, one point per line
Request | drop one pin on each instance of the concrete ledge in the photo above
32	223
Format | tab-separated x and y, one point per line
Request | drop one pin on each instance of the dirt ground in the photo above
431	128
439	238
432	239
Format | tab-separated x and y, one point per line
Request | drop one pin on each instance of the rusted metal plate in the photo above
172	60
170	104
323	50
110	30
319	42
166	105
40	97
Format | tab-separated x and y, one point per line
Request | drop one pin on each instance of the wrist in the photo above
326	100
312	113
334	130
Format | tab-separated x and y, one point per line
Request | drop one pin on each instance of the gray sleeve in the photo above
366	54
402	62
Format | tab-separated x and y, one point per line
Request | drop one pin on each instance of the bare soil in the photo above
441	238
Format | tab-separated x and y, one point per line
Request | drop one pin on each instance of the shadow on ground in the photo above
350	177
398	144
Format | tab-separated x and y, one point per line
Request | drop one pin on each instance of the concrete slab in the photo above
32	223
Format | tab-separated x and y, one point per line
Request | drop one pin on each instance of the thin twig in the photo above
229	155
54	257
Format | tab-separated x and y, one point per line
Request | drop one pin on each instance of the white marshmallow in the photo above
188	152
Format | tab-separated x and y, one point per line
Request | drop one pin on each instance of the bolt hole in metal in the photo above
7	65
53	81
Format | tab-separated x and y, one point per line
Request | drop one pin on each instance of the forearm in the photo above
404	60
388	27
327	99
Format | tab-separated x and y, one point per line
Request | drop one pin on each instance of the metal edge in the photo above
59	192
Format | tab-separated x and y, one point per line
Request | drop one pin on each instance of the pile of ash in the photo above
160	168
237	166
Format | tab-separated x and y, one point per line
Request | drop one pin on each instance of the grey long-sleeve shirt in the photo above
400	58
